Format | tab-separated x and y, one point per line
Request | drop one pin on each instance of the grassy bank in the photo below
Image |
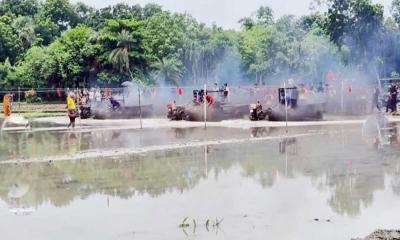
37	110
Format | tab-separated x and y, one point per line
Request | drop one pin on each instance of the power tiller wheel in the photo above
170	114
86	113
176	114
253	115
256	115
180	111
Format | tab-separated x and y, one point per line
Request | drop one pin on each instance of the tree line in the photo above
54	43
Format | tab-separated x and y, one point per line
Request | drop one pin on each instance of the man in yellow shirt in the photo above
71	107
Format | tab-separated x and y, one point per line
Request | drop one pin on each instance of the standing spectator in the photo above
91	95
320	88
394	94
375	99
226	92
71	109
59	93
98	95
210	100
392	99
216	88
7	105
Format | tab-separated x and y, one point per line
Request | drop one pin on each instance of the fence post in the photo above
77	107
140	109
206	160
19	99
342	97
205	105
286	106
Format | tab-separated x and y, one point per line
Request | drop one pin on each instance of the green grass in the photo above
38	114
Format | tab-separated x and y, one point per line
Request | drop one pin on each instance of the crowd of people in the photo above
86	96
336	98
80	98
330	94
211	96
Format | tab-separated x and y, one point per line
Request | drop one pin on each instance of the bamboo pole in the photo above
286	106
205	105
342	97
19	99
140	110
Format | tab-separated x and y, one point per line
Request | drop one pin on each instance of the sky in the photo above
225	13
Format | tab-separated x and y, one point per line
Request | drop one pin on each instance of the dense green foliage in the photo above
55	43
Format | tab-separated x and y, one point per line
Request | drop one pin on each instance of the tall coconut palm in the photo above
169	69
192	59
119	57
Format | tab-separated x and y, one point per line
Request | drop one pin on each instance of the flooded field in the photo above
317	183
36	144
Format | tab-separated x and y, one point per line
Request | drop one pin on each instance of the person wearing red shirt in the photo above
210	100
258	106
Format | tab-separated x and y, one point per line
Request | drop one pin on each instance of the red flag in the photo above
180	91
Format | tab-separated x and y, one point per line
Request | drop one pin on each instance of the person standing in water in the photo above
7	104
7	100
72	111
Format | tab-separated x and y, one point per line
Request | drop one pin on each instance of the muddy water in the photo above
330	186
35	144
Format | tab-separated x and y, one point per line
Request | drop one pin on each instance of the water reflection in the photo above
288	145
17	145
60	183
351	175
260	132
44	143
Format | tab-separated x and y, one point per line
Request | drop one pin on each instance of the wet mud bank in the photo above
382	235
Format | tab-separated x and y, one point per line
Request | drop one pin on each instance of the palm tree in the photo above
192	56
169	69
119	57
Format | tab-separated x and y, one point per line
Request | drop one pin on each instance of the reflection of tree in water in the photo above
352	192
61	182
47	143
260	131
352	173
366	176
350	170
395	180
26	145
264	163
